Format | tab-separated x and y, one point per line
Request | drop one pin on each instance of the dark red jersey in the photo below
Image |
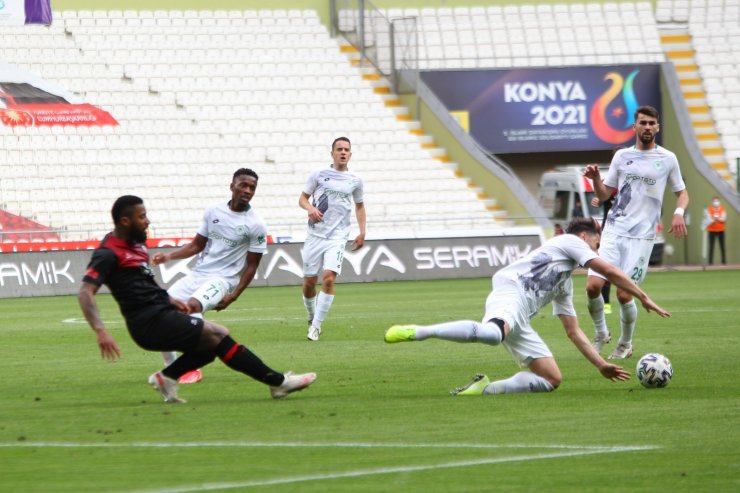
124	268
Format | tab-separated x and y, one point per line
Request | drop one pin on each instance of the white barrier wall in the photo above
473	255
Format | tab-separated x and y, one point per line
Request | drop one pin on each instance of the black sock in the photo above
239	358
188	362
605	291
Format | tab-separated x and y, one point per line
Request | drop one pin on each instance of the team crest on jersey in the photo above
658	164
146	269
261	239
241	230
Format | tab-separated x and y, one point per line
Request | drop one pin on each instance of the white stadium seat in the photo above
196	103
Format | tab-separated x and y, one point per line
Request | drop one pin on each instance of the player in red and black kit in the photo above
155	321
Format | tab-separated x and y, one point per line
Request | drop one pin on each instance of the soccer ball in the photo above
654	371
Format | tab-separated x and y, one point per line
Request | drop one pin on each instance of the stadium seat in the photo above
197	81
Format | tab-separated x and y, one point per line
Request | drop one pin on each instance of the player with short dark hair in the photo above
639	174
157	322
333	190
230	243
520	290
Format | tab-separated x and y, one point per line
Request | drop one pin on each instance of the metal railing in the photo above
391	45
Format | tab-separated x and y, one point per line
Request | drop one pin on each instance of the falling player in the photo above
520	290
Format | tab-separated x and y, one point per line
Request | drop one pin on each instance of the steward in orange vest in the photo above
716	228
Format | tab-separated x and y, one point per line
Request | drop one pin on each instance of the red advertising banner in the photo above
53	246
27	100
36	115
57	246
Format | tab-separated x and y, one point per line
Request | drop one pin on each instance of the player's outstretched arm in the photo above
579	339
619	279
186	251
614	372
108	347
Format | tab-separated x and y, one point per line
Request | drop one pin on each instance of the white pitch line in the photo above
595	448
386	470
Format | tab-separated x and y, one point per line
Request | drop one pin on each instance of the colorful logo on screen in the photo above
612	115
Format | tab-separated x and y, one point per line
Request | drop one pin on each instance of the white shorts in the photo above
209	291
322	254
506	302
631	255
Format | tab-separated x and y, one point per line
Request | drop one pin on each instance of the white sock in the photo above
461	331
596	310
628	317
323	304
169	357
522	382
310	304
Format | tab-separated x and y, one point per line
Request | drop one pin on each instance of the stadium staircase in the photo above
679	50
703	37
382	86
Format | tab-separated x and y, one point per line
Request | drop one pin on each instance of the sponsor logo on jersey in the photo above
644	179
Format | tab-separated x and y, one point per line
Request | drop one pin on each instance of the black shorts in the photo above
167	330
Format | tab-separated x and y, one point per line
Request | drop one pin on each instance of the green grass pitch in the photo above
379	417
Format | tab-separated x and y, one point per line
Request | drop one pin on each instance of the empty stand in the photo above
536	35
712	31
199	94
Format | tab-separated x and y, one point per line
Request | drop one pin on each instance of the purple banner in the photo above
38	12
549	109
19	12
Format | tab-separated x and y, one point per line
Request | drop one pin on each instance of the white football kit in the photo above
522	288
629	233
333	193
231	235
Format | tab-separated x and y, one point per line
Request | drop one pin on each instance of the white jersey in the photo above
230	236
640	177
545	274
333	192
